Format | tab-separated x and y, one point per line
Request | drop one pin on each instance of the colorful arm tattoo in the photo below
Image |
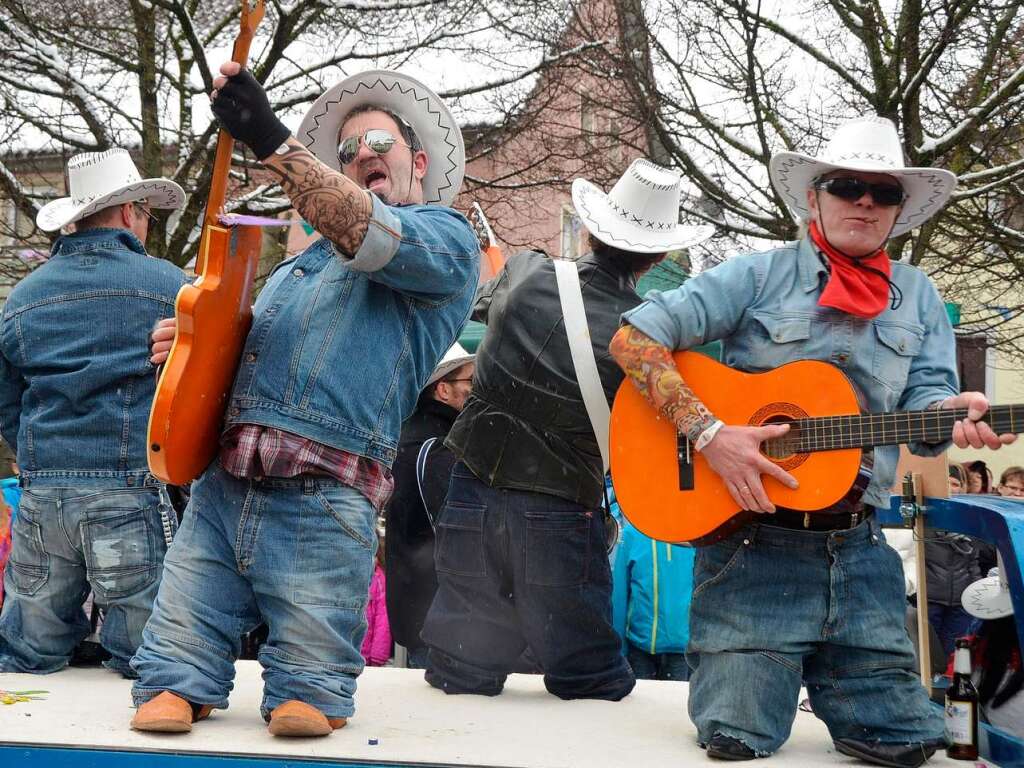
334	204
651	368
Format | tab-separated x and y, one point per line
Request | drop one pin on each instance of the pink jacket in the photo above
376	648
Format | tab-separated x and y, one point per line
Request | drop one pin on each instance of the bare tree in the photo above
89	75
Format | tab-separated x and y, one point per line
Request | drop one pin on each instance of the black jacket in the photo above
525	426
953	561
408	534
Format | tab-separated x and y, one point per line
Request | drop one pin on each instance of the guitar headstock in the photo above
482	227
252	15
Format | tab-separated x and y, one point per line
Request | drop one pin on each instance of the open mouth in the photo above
375	179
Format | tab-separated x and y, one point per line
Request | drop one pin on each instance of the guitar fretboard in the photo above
833	433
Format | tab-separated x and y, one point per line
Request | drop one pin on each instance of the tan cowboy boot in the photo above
294	718
167	713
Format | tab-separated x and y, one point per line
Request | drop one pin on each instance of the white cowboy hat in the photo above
98	180
455	357
868	143
640	214
411	100
988	598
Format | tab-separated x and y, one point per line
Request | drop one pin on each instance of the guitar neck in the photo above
832	433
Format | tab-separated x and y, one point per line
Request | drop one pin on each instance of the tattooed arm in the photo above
334	204
650	366
734	451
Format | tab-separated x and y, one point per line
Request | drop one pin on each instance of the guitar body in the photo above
188	409
646	471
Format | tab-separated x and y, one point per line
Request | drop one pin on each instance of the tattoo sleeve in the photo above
334	204
649	365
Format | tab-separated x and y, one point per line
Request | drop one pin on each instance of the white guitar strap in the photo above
575	316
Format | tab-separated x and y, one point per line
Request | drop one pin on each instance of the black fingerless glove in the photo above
243	110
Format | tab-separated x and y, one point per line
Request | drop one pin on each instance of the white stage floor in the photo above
413	724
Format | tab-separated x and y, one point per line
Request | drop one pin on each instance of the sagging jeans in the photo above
518	570
774	607
296	553
66	541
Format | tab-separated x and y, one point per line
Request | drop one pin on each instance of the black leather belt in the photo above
825	520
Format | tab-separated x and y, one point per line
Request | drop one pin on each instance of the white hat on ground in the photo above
98	180
988	598
869	143
640	214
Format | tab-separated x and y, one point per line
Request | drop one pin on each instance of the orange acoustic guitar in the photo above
669	492
213	317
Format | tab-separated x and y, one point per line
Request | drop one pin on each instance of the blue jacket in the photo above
340	347
76	383
652	583
764	309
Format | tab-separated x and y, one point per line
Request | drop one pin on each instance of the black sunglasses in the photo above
377	139
850	188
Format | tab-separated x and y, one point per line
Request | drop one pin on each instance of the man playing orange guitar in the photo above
819	598
281	528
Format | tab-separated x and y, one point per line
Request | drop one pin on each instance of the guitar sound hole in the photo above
783	450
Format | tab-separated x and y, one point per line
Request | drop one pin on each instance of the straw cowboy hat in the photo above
868	143
98	180
454	358
640	214
411	100
988	598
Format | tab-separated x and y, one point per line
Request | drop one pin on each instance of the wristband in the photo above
708	435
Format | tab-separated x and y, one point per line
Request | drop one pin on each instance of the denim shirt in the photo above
764	309
76	383
341	346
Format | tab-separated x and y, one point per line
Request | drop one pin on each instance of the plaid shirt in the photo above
255	451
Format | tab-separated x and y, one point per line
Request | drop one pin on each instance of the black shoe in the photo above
889	754
722	747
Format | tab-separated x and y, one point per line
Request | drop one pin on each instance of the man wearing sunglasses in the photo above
281	529
795	598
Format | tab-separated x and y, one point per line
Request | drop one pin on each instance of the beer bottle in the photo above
962	707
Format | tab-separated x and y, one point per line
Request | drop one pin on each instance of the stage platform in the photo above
84	722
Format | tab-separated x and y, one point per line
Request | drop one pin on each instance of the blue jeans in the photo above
773	607
66	541
657	666
518	570
951	622
296	553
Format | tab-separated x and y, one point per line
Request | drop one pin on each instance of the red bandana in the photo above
852	288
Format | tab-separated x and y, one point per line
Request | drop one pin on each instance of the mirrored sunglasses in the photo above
377	139
849	188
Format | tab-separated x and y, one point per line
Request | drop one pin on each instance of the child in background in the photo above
8	507
652	583
376	648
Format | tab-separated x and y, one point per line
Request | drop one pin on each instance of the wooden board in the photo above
414	724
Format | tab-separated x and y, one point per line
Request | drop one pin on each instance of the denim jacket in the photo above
764	309
340	347
76	383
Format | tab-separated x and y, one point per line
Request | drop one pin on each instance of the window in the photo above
573	242
972	363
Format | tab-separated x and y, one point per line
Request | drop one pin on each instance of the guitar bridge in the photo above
684	456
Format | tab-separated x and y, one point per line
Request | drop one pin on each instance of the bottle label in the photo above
959	722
